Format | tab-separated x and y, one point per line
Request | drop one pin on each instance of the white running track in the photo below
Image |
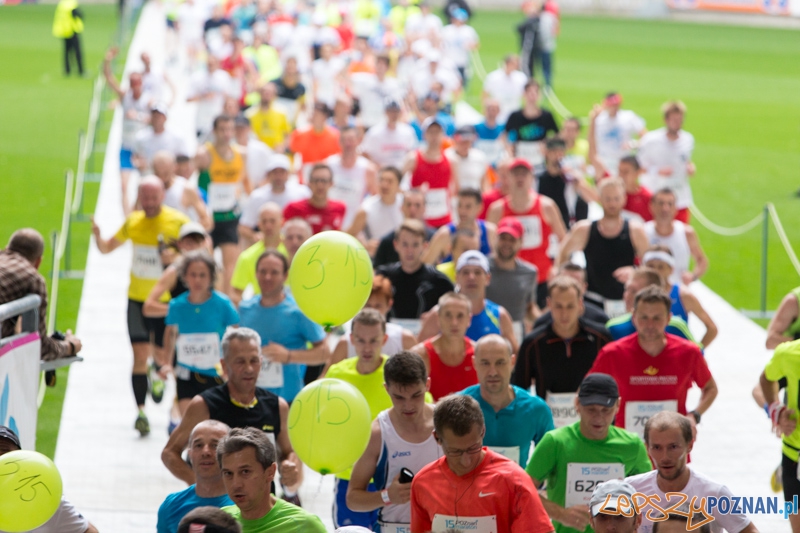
117	479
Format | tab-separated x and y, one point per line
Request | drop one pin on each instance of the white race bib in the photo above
638	413
519	331
493	148
222	197
271	375
582	478
614	308
510	452
436	203
562	404
532	234
198	351
146	262
394	528
464	524
414	325
531	151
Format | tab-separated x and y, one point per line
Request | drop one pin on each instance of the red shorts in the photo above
683	215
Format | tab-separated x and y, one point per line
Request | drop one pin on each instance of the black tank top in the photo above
178	289
603	257
265	415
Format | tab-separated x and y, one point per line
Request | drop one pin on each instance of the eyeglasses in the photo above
472	450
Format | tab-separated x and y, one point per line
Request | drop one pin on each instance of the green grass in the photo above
42	112
740	86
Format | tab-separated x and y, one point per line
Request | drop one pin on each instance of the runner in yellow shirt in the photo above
148	230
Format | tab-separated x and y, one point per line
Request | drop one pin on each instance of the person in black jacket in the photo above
530	41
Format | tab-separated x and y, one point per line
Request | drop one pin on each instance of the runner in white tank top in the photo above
677	243
353	176
382	219
173	197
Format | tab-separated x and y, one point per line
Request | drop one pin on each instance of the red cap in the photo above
510	225
614	99
519	162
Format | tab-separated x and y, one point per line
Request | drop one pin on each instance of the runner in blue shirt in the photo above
514	418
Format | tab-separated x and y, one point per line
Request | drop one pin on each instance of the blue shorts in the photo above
343	516
125	162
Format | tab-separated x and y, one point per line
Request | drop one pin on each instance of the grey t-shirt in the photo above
513	289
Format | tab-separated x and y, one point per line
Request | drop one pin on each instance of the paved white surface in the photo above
118	481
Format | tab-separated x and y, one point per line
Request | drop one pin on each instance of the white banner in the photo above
19	383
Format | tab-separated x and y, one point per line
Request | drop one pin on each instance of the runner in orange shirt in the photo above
317	142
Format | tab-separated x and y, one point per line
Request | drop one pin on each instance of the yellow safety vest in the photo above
64	24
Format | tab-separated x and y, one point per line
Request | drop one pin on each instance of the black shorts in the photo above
791	485
142	328
225	232
541	295
197	383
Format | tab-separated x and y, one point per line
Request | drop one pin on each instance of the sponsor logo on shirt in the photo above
651	371
654	380
395	455
595	470
463	525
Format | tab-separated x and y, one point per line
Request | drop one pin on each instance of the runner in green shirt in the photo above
576	458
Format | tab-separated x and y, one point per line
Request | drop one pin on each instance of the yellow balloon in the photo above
30	490
331	278
329	425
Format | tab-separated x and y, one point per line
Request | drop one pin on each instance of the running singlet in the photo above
349	185
437	198
676	242
486	322
794	328
485	249
535	237
446	379
785	364
265	414
603	257
224	179
677	305
396	454
144	233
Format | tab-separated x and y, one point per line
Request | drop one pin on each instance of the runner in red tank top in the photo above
539	216
432	171
448	355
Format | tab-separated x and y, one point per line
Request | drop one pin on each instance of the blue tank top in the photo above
485	323
677	306
485	249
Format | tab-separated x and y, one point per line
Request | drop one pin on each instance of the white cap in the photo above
278	161
434	56
475	258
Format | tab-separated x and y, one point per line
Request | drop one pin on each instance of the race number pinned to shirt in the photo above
614	308
531	151
493	148
387	527
562	404
582	478
510	452
532	231
464	524
638	413
436	205
271	375
222	197
146	262
198	351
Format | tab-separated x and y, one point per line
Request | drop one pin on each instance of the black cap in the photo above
6	433
432	95
391	104
465	131
598	389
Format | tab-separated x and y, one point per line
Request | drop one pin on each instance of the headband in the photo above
658	255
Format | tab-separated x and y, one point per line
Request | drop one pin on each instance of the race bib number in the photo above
582	478
510	452
394	528
573	164
222	197
146	262
532	231
198	351
465	524
638	413
531	151
414	325
562	404
271	375
519	331
436	203
493	148
614	308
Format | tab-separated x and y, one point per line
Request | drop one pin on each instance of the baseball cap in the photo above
433	55
475	258
611	490
161	107
391	104
510	225
278	161
191	228
460	14
8	434
613	99
430	121
598	389
465	132
519	162
432	95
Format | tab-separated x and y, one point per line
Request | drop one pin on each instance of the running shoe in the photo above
142	425
156	385
776	480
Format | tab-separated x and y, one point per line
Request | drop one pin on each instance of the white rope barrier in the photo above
720	230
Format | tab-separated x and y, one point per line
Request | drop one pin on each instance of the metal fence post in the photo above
764	250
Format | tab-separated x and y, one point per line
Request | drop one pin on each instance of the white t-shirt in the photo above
548	26
698	485
190	19
656	151
148	143
422	79
458	41
471	169
258	155
372	93
220	84
298	46
66	519
382	219
507	89
349	185
388	147
423	26
324	74
613	136
132	126
677	243
262	195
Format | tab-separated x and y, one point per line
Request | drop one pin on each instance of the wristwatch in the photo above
696	416
385	497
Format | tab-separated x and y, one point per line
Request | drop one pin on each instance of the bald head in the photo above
212	426
164	167
28	243
493	342
270	219
494	363
151	195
